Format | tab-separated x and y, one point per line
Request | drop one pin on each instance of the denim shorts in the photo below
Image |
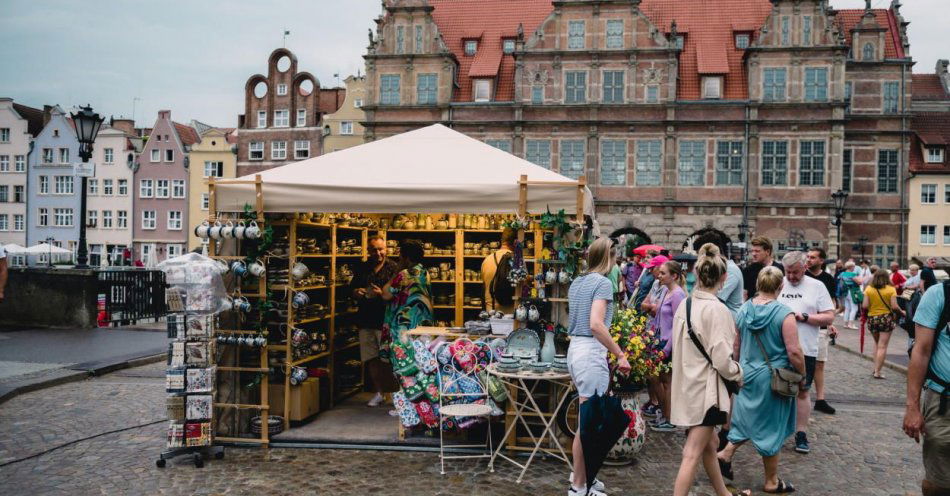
587	364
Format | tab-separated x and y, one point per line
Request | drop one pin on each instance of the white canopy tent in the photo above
430	170
46	249
14	249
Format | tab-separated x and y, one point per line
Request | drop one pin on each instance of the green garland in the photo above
568	251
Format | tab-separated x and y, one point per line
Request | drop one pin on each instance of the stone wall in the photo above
43	297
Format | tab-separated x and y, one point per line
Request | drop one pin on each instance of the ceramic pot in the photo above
257	268
227	230
238	230
534	314
300	270
239	268
631	442
300	300
201	230
563	277
252	231
521	313
215	231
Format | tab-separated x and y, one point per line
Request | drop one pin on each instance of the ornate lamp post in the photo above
743	229
839	198
861	246
87	128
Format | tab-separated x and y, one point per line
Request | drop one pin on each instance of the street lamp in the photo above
743	229
839	198
861	246
87	128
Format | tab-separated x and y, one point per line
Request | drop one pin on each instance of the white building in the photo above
110	194
18	125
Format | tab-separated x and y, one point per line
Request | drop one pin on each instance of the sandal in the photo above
878	376
726	469
782	488
737	492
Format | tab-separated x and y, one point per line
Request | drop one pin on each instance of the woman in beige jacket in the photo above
700	400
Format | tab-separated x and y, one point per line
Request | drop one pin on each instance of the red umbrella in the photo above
643	249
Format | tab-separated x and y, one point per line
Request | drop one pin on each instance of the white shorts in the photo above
823	341
587	364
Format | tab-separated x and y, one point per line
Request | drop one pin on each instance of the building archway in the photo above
634	237
689	243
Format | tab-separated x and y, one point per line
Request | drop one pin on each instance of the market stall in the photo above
295	233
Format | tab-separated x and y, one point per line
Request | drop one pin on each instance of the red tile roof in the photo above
33	116
849	19
928	87
931	128
491	20
187	134
708	43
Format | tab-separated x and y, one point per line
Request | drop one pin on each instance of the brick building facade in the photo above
682	115
283	111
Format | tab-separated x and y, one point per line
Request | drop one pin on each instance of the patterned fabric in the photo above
411	305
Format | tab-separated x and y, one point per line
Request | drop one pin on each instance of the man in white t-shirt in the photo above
3	271
813	308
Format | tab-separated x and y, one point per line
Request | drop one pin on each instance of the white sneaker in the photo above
573	491
376	401
598	485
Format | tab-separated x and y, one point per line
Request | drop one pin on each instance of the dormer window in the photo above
680	41
867	53
471	47
508	46
934	155
482	90
742	41
712	87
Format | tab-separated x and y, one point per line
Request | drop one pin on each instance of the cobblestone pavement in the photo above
859	451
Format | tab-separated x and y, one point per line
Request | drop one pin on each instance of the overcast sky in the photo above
193	57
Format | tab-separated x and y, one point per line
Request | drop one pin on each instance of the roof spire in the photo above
867	5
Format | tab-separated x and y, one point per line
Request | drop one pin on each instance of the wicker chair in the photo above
458	382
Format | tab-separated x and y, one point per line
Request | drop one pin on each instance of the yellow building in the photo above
213	156
342	129
929	202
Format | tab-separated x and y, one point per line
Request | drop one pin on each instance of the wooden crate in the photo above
304	399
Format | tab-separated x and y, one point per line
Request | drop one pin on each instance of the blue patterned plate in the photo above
524	342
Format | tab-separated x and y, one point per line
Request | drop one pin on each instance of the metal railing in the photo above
132	295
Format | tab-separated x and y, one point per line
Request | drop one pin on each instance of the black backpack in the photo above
500	288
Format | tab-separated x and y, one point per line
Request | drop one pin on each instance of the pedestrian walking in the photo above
670	276
897	279
913	282
927	276
864	270
703	340
768	337
880	302
761	253
816	270
929	370
655	293
850	291
591	301
813	308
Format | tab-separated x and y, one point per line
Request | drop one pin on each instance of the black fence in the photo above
131	295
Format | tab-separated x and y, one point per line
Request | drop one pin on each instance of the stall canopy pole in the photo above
581	183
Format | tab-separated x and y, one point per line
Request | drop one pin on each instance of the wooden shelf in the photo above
242	369
441	281
348	346
420	230
313	255
439	256
307	223
444	306
473	282
310	358
351	255
311	320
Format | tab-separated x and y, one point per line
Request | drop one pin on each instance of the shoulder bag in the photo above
731	386
785	382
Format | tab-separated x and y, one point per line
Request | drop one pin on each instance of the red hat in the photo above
657	261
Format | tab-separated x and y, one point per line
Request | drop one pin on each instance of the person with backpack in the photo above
499	293
929	370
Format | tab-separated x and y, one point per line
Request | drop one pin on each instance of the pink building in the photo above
160	222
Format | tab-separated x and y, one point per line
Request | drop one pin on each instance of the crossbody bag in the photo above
731	386
785	382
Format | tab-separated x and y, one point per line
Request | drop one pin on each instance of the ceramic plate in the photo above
523	342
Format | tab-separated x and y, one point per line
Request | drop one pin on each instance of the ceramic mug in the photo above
201	230
257	268
300	300
300	270
215	231
252	231
227	231
563	277
550	276
521	313
533	314
227	303
239	268
241	304
238	230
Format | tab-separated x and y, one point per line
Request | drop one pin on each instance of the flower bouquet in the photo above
631	331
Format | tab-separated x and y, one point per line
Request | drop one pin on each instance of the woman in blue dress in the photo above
758	414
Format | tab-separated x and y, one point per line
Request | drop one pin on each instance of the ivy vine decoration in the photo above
518	223
566	239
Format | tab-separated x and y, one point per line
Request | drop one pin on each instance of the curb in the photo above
75	373
891	365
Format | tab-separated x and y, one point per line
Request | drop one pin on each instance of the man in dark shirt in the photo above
927	276
366	287
761	253
816	270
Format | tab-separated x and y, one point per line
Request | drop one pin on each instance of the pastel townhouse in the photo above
161	182
215	156
18	125
110	195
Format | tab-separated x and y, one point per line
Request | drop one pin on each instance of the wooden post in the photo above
212	216
581	184
262	291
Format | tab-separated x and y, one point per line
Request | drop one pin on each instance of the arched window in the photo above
868	51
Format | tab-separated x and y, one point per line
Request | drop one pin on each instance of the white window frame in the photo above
278	150
19	222
64	155
933	232
178	188
213	168
651	94
92	186
358	103
4	222
149	222
64	214
481	90
19	163
508	46
121	219
175	250
108	155
613	39
4	163
44	185
282	118
255	147
934	155
205	203
146	188
346	128
301	146
42	217
155	155
576	35
174	220
63	185
712	87
281	89
470	47
92	218
162	188
928	194
107	189
4	135
48	155
301	117
261	119
742	41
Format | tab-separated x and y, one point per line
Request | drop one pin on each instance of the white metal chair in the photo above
459	381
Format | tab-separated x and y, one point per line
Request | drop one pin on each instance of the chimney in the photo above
942	73
47	112
125	125
165	114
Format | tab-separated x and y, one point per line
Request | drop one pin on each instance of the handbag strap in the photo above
692	335
764	354
886	304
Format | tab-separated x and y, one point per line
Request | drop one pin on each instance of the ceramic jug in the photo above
252	231
521	313
533	314
300	270
238	231
201	230
550	276
547	350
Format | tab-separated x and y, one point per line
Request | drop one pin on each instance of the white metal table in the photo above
529	407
